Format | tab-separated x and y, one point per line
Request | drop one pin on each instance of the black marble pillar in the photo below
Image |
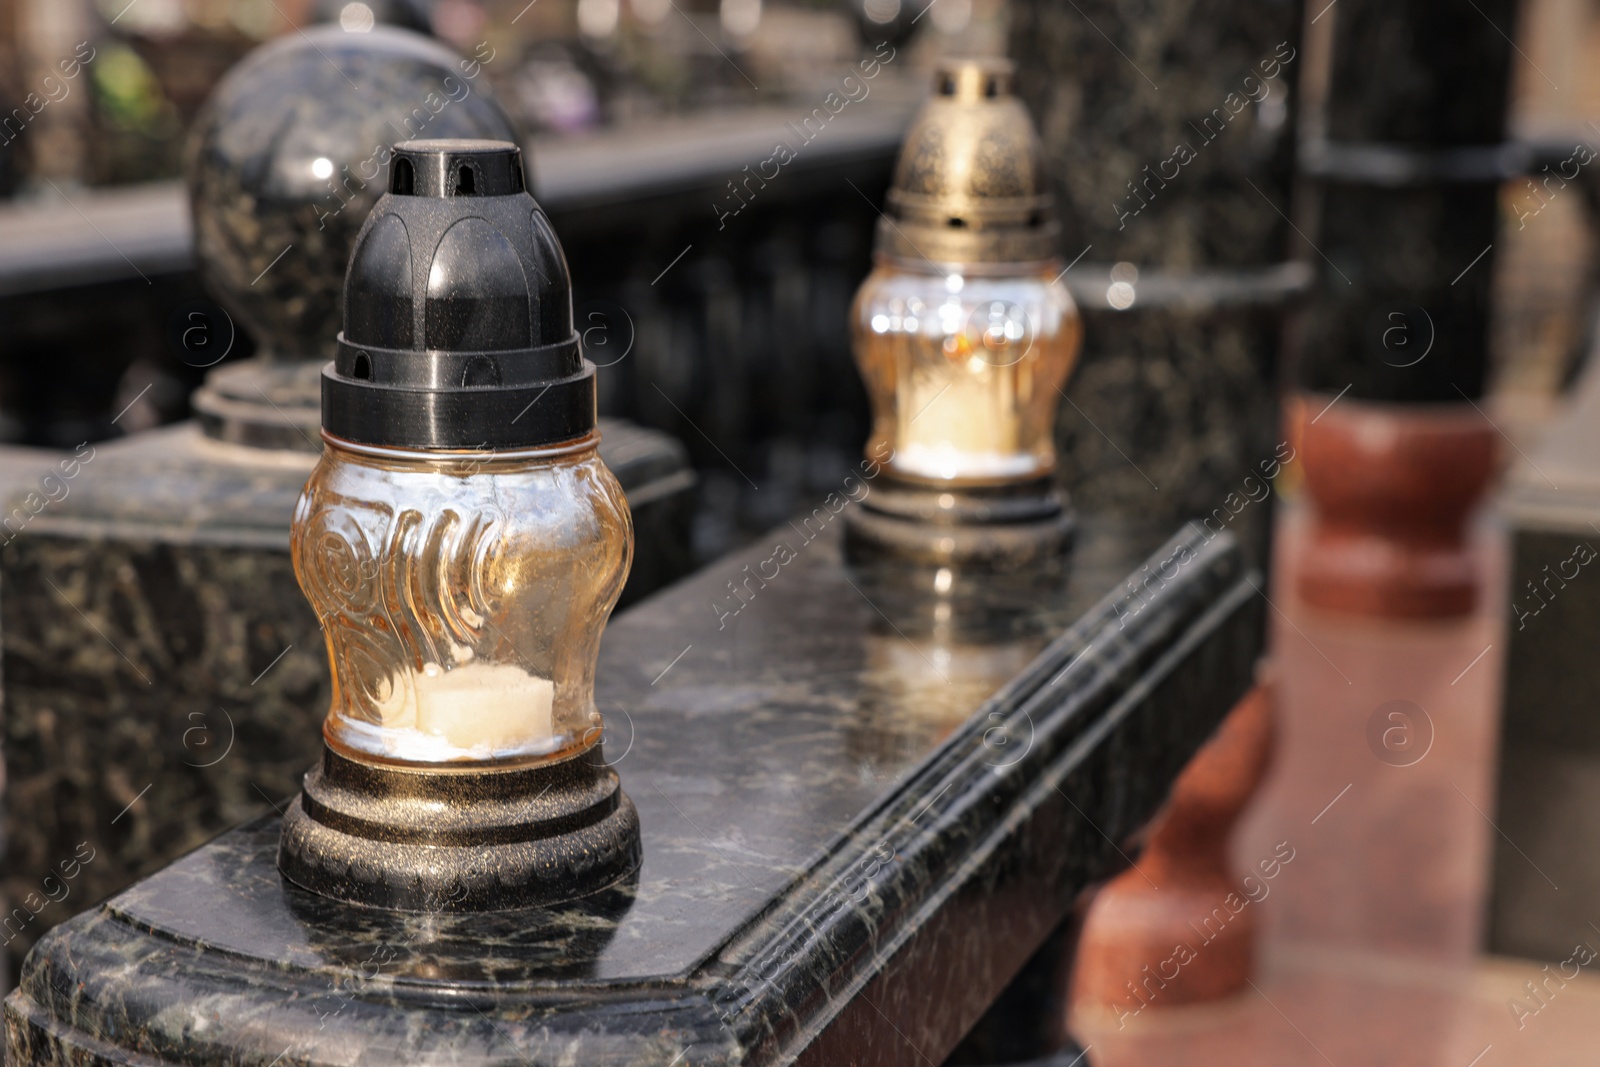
857	829
1402	149
1168	134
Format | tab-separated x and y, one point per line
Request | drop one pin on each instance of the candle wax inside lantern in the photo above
959	426
475	710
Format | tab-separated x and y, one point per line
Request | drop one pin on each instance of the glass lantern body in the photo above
964	365
463	596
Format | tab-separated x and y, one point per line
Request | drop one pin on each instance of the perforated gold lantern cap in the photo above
969	186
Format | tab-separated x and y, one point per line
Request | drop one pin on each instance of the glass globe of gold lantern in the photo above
965	336
463	546
462	598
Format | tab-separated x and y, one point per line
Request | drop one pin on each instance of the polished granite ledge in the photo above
163	675
862	812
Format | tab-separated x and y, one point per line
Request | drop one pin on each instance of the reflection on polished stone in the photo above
834	857
936	655
924	686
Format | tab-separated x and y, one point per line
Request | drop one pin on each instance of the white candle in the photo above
960	425
473	711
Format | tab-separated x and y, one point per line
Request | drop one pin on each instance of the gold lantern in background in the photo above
965	336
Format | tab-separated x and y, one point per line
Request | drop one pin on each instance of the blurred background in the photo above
747	330
696	88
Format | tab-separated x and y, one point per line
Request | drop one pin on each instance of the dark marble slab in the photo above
1548	794
861	815
164	678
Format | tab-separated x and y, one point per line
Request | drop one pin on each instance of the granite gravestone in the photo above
1169	136
163	675
848	851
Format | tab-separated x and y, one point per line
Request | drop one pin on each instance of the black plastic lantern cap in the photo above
458	312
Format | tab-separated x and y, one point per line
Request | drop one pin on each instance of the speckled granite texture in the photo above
319	94
164	676
847	852
1168	131
1174	414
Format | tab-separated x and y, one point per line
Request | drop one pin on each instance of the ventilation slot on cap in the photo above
403	178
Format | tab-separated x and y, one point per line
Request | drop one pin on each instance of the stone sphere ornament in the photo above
292	150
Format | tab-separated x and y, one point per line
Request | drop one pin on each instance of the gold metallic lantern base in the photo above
442	839
1023	529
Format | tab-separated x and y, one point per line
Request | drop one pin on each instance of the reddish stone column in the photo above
1394	487
1179	926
